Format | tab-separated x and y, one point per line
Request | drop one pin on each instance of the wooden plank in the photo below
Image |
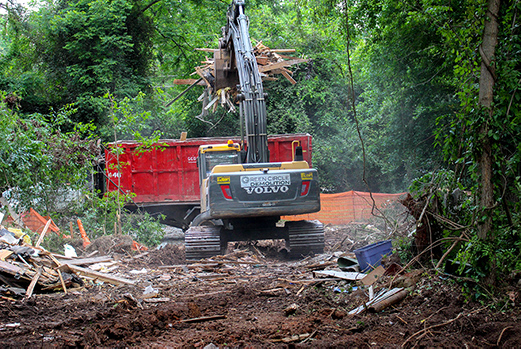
188	82
283	50
373	276
87	261
287	76
91	254
352	276
58	263
204	318
62	282
192	266
282	64
200	72
100	276
262	60
44	231
205	49
10	268
268	78
30	289
4	254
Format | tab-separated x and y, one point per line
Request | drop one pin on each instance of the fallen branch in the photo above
422	332
501	335
95	275
449	250
204	318
427	249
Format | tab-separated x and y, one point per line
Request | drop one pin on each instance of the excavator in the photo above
243	194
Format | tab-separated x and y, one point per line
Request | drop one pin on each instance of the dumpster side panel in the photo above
169	174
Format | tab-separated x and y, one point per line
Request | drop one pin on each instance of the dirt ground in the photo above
250	298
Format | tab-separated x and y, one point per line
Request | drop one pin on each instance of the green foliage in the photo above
462	138
39	164
400	63
129	120
75	52
103	216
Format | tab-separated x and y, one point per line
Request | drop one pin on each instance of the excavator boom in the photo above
236	41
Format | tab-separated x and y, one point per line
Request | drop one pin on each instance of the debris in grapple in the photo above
220	76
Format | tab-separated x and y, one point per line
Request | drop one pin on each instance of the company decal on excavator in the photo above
266	184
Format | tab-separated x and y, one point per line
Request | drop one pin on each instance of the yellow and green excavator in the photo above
243	195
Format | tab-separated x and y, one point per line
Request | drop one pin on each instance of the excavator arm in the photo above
237	44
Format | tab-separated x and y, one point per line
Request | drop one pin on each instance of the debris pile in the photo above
317	301
25	269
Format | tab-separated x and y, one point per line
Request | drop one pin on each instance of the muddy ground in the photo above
252	298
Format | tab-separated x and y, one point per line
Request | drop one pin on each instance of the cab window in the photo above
214	158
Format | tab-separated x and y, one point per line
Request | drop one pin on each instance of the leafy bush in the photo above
38	162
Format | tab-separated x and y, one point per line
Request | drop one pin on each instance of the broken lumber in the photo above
287	76
383	295
189	82
44	231
86	261
281	64
30	289
10	268
62	281
283	50
373	276
94	274
4	254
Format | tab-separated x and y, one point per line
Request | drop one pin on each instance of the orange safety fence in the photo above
36	222
344	208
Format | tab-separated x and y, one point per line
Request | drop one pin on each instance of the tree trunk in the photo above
486	95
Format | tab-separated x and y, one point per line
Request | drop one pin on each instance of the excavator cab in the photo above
210	156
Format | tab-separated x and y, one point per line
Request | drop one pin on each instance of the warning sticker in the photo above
307	176
223	180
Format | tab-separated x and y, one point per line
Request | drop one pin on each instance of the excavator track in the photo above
203	242
305	237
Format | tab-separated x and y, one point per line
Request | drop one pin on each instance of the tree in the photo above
95	47
486	96
39	162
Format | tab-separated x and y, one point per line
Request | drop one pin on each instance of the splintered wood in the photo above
33	269
222	91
